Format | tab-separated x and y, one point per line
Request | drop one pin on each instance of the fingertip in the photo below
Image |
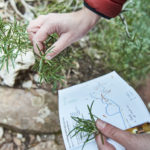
50	54
100	124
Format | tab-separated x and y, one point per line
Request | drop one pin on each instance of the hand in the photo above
70	27
126	139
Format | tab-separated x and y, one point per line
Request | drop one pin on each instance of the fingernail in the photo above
100	124
48	57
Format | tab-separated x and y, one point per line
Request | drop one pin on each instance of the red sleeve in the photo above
106	8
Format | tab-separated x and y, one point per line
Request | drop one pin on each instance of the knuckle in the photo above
111	131
114	134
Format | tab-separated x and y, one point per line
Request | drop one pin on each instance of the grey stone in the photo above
8	137
7	146
27	84
49	145
2	4
19	136
38	138
2	141
17	141
23	61
59	139
1	132
29	111
48	137
32	138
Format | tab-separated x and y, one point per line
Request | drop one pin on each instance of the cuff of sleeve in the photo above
94	10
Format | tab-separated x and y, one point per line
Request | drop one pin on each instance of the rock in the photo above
2	141
83	41
34	86
30	111
32	138
23	140
8	137
2	4
19	136
38	138
23	147
29	15
22	62
59	139
1	132
7	146
27	84
93	53
50	145
17	141
36	78
48	137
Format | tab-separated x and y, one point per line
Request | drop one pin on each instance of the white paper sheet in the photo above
114	102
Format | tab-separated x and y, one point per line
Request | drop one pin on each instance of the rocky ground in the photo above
29	120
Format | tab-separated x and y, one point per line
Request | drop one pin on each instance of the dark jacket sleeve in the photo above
106	8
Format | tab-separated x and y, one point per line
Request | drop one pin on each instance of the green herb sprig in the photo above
51	71
13	40
86	127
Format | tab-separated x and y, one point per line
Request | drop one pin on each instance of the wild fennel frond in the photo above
86	127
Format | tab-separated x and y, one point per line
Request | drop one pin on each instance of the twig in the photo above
28	8
13	4
125	24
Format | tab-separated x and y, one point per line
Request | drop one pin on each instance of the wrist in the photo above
93	17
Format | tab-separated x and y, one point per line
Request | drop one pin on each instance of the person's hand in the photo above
126	139
70	27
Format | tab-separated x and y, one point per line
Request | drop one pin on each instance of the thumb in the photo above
63	42
116	134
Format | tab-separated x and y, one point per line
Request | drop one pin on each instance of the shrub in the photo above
13	40
130	57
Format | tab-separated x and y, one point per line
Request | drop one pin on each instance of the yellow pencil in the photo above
144	128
